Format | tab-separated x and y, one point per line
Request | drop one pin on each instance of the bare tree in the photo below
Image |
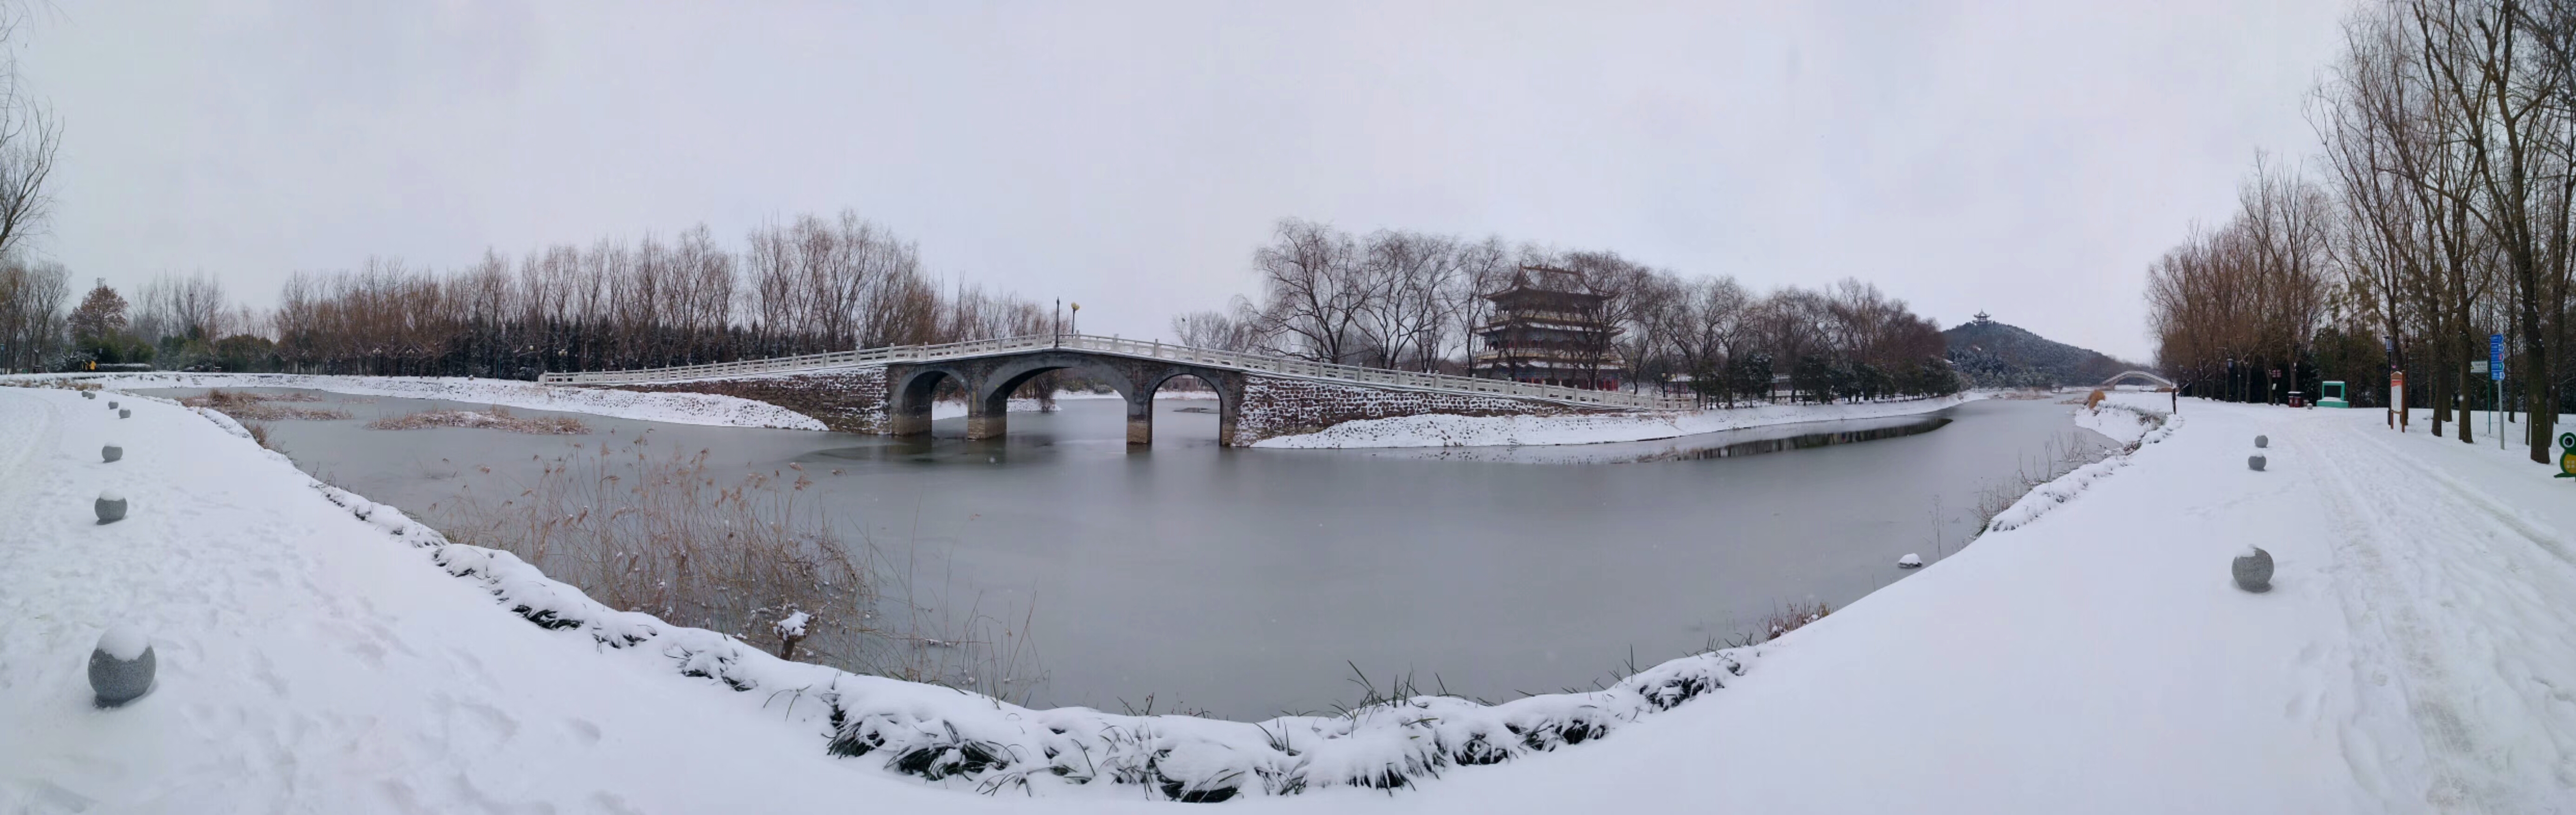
1314	293
30	136
31	313
1216	330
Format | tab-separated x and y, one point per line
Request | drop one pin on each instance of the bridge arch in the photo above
910	394
1229	404
989	383
2124	376
988	409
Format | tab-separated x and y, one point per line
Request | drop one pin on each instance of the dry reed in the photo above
670	536
263	407
1793	617
498	418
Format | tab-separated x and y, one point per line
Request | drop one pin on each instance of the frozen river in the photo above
1246	582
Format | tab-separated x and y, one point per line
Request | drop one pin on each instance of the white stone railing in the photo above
1131	348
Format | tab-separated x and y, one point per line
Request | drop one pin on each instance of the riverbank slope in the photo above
1451	430
2095	659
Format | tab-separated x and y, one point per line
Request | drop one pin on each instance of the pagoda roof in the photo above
1525	290
1548	280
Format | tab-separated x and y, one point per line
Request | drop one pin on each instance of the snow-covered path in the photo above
2418	654
310	664
2454	563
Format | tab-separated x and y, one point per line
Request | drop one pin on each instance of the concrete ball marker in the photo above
120	668
2254	462
2253	570
125	414
2262	442
89	394
111	453
111	507
111	404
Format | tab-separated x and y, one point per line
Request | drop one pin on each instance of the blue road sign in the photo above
2495	357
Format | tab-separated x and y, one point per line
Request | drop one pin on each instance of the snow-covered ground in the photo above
1449	430
677	408
2124	419
321	653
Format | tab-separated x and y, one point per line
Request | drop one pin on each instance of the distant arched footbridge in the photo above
2125	377
890	390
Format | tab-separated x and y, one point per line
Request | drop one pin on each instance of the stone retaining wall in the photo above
848	400
1282	406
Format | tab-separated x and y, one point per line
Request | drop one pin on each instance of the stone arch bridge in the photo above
891	390
2138	376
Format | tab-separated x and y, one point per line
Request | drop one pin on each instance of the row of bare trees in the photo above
2439	215
809	285
1416	301
31	313
806	286
2237	309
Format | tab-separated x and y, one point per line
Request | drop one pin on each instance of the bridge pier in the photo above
988	418
900	422
1140	418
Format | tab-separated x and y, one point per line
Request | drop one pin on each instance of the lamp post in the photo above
1059	322
1076	325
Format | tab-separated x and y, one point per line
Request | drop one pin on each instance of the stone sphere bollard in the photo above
111	453
111	404
125	414
2262	442
111	507
2253	570
120	669
89	394
2254	462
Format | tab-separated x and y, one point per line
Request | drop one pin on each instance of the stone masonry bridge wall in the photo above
895	398
847	400
1275	406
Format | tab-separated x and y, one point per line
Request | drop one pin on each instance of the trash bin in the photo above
2332	396
2298	399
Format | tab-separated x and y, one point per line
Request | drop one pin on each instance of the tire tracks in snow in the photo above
2454	583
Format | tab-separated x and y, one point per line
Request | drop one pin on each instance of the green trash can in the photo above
2330	395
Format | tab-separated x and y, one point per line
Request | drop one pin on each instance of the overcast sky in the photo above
2028	159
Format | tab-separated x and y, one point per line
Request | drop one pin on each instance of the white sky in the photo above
2027	158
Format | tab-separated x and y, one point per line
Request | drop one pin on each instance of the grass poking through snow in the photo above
264	407
498	418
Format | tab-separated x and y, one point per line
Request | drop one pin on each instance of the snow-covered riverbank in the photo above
1445	430
677	408
320	652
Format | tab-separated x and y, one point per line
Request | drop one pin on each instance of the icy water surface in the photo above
1245	582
